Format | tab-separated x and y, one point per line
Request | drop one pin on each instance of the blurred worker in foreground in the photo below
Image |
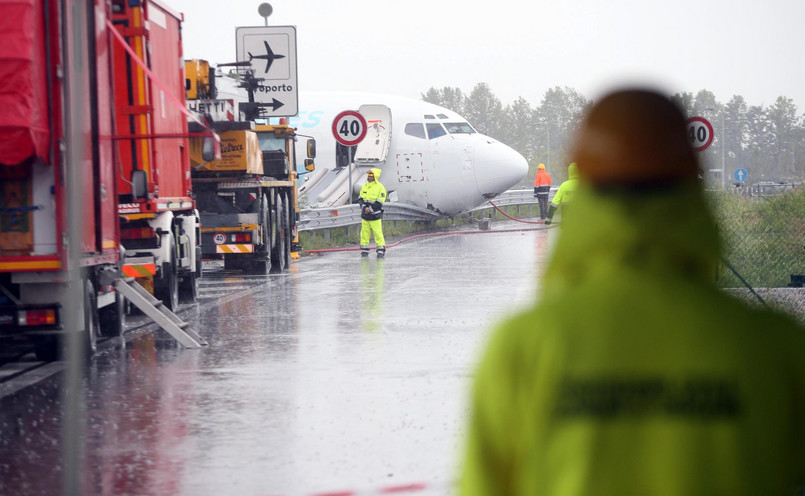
634	374
371	199
565	193
542	187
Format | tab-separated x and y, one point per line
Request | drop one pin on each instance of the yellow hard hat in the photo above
541	166
634	137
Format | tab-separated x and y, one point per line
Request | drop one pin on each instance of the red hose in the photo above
517	220
427	235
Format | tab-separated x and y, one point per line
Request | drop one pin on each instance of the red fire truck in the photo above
94	166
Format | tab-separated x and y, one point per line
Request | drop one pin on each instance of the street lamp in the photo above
723	145
548	129
723	139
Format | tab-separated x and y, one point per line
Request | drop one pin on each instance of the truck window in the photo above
269	142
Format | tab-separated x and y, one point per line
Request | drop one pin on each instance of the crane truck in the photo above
247	199
94	166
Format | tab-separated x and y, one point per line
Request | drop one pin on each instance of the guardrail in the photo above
347	215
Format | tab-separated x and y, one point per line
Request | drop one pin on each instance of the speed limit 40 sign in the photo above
700	133
349	128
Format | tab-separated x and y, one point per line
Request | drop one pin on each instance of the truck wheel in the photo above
167	287
47	348
188	287
259	263
278	248
287	211
91	320
112	317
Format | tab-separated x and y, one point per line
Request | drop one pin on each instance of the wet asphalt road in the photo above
345	374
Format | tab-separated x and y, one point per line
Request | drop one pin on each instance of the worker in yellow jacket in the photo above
565	193
633	374
371	199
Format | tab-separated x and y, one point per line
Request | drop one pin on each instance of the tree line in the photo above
767	141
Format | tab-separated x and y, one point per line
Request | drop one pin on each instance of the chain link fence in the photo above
763	228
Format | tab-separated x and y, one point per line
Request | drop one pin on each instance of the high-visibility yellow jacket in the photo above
373	195
634	374
568	188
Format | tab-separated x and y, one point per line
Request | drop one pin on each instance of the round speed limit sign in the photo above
219	238
349	128
700	133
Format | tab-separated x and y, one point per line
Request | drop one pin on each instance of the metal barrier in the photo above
764	235
347	215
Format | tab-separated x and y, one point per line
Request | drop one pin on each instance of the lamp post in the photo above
723	139
548	130
723	152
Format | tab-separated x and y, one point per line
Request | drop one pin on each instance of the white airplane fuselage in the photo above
429	156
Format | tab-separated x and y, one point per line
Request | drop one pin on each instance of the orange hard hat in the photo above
634	137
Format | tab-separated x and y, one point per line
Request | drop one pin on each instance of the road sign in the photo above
349	128
741	175
700	133
271	51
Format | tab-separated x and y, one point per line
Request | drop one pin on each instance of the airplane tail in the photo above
250	56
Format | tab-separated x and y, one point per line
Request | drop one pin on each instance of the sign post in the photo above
270	51
349	129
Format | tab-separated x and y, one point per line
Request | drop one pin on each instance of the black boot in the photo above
381	251
364	251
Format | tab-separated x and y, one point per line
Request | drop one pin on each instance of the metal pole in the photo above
723	148
349	164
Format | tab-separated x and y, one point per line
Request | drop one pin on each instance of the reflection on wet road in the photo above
344	374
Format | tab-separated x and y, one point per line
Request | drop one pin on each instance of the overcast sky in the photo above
748	47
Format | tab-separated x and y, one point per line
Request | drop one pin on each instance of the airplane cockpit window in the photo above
459	128
428	116
441	116
435	130
415	129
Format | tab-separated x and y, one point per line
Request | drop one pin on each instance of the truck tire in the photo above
47	348
259	262
112	317
166	288
188	283
92	327
188	287
278	248
286	228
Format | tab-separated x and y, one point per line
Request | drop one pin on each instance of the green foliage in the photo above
764	237
769	142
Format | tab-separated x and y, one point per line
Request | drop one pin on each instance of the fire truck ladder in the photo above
159	313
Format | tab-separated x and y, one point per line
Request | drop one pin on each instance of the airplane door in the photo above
375	146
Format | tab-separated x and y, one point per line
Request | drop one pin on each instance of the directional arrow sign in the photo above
271	53
741	175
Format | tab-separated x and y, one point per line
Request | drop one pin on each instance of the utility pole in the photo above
723	148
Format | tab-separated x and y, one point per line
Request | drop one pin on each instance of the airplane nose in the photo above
497	167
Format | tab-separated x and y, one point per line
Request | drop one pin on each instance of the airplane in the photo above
270	56
428	155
